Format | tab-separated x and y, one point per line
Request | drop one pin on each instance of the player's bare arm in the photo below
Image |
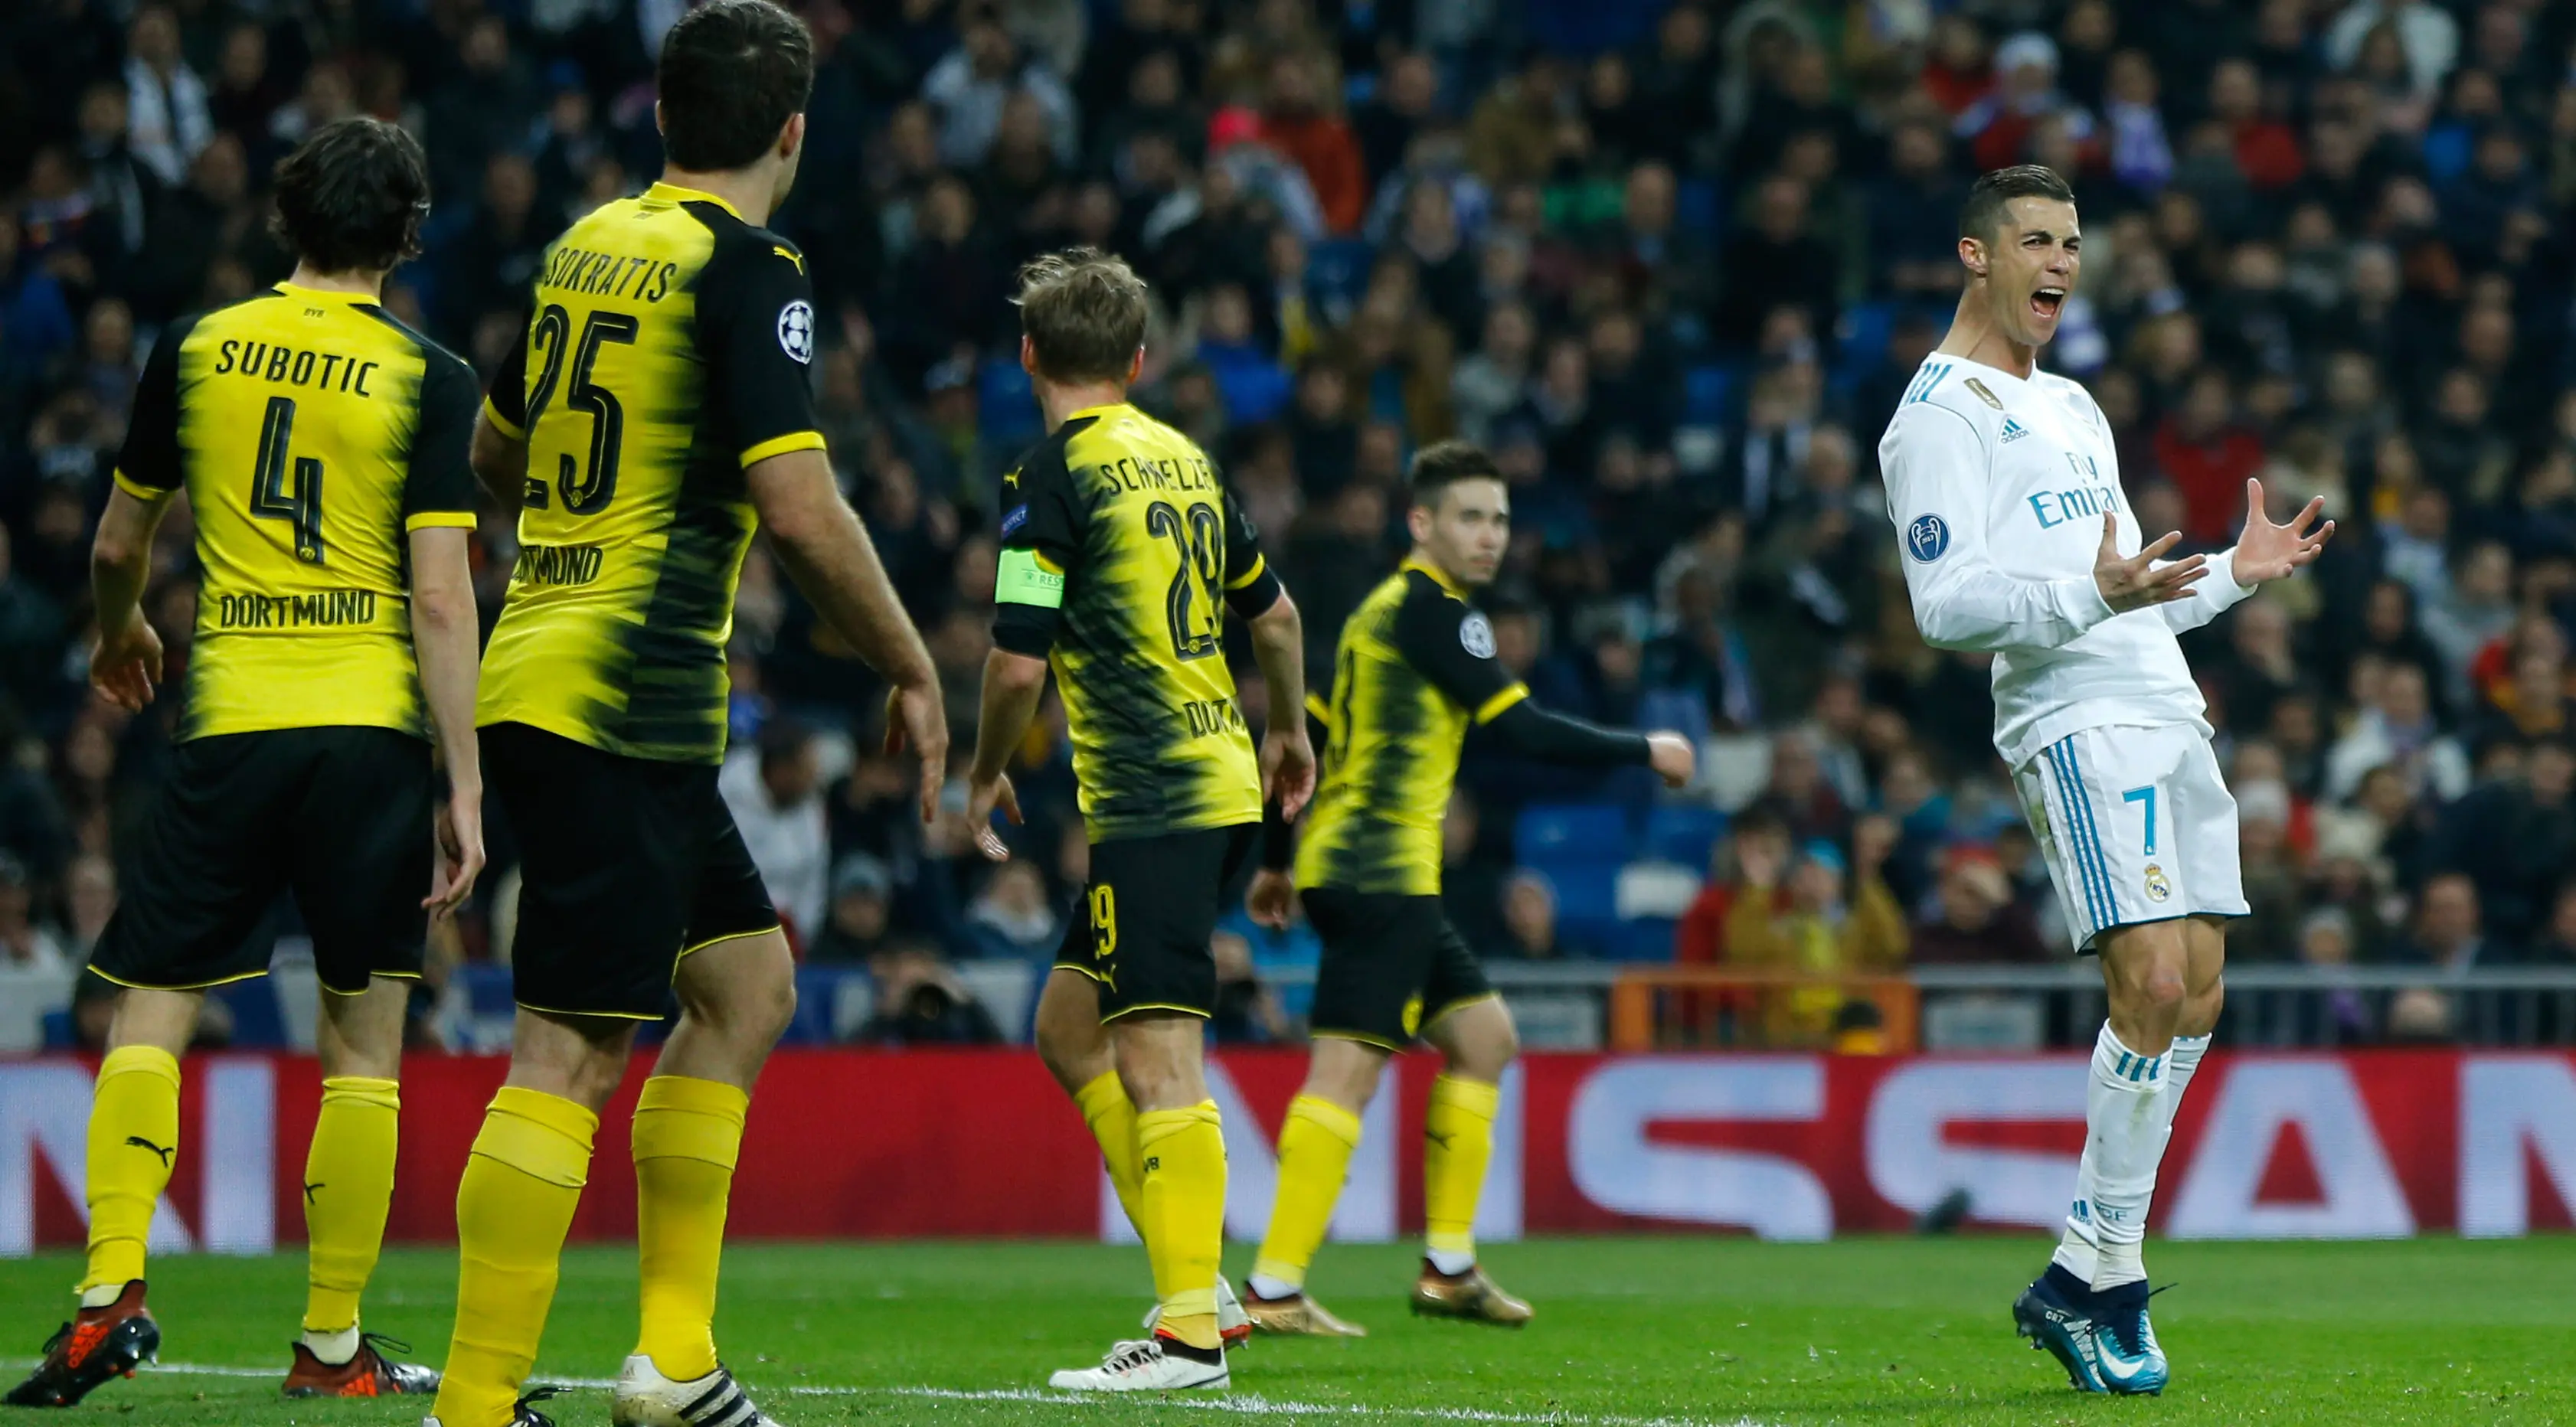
828	554
1287	757
500	462
127	660
1013	684
445	634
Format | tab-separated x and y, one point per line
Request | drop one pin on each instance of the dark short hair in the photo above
1443	464
732	73
1983	213
352	197
1084	312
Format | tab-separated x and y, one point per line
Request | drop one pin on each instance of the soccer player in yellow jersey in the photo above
322	446
1121	553
658	412
1416	666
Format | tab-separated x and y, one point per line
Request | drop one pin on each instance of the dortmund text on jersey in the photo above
666	355
1122	552
312	431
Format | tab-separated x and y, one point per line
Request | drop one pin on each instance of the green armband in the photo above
1022	577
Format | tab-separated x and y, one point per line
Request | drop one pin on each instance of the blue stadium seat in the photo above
60	1031
1708	394
1697	207
1587	897
1573	834
1005	408
1640	939
487	987
816	993
1679	832
1682	711
1862	339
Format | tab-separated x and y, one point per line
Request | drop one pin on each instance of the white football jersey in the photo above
1998	487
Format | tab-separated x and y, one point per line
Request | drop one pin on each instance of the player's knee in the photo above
2201	1010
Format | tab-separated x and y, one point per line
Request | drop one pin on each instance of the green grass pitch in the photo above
1630	1333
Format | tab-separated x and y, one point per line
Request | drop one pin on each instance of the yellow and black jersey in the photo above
666	354
1415	668
1121	551
312	432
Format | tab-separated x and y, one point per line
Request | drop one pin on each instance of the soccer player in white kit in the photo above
2005	490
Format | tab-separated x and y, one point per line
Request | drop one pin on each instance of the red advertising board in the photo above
862	1144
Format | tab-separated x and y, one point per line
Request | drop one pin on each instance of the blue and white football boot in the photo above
2056	1313
2125	1355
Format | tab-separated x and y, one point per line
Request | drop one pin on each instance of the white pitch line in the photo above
1238	1404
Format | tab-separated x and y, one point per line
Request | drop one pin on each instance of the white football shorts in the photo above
2137	826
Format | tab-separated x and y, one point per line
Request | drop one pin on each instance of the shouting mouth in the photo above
2045	302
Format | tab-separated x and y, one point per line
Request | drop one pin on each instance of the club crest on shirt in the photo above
1984	395
2157	887
1927	537
1476	636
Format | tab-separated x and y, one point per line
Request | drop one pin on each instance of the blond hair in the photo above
1084	312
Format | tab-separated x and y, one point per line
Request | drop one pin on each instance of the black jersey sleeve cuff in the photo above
1256	594
1025	629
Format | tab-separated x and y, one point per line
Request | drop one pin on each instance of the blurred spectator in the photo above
862	907
921	1001
1247	1012
971	86
2448	935
1529	920
1011	917
1823	923
24	945
776	795
165	100
2396	727
1973	919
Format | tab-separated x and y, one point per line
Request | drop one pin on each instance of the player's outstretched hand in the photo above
915	715
2270	552
2137	582
981	798
1672	758
127	663
1287	770
460	851
1266	900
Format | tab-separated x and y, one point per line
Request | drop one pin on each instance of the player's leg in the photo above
1153	908
362	857
1075	1047
202	881
1473	1031
736	984
1315	1147
601	912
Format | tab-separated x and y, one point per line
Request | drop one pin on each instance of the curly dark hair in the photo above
352	197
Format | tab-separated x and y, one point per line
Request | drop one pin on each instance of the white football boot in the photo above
645	1398
1143	1366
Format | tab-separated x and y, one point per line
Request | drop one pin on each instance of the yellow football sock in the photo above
1182	1198
1457	1140
133	1137
1112	1118
688	1135
513	1207
1314	1157
348	1184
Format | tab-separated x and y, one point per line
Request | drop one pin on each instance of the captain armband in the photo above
1026	577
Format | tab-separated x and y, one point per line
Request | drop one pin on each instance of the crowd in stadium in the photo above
1673	265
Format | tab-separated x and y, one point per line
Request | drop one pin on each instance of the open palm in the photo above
2269	551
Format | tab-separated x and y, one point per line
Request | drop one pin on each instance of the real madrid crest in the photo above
2157	887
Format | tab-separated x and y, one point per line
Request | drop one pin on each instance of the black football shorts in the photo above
1151	905
1392	964
627	865
341	815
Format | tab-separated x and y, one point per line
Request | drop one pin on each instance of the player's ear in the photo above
657	117
1028	355
1135	366
1973	253
1417	522
791	135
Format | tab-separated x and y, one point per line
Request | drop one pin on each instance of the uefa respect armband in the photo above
1027	577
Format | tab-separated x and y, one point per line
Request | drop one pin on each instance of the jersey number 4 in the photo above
583	492
284	487
1200	541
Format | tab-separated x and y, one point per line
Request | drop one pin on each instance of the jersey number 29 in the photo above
1199	539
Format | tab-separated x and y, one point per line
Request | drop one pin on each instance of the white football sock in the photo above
2128	1117
1265	1286
1450	1261
333	1349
